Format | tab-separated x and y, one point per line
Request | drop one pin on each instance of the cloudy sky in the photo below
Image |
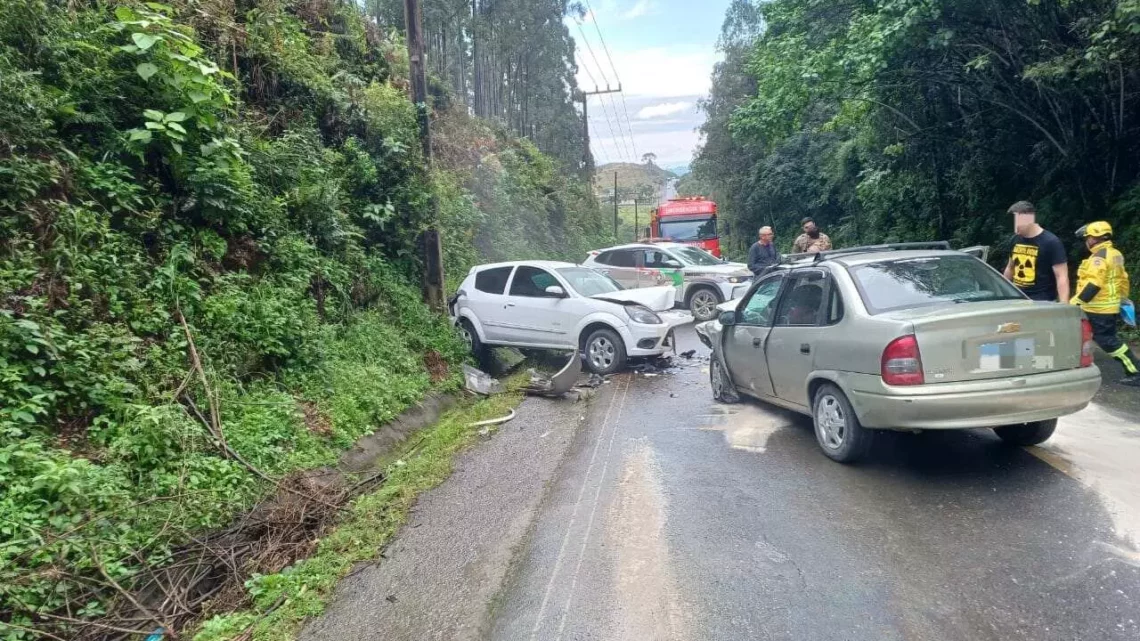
663	52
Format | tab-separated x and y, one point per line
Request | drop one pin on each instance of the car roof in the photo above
549	264
628	246
865	258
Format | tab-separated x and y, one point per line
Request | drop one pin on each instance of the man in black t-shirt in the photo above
1038	265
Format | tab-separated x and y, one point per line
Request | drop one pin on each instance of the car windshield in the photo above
588	282
698	229
918	282
695	256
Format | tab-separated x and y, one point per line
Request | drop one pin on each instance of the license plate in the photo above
1013	354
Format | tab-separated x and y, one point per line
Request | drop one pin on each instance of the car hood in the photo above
659	299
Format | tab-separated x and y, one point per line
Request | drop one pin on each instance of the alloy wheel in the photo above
703	305
601	353
831	422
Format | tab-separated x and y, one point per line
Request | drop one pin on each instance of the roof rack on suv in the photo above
890	247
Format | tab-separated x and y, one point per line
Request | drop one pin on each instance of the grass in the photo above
303	590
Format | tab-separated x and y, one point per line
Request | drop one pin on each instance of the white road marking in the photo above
617	400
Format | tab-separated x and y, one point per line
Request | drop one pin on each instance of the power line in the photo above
625	148
586	96
606	49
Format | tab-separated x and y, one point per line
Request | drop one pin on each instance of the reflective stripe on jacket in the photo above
1102	282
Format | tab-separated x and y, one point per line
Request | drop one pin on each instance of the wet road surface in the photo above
675	517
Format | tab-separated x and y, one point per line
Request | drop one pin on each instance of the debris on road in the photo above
494	421
689	354
480	382
558	384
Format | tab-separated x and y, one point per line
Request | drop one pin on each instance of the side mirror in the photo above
672	264
554	291
728	319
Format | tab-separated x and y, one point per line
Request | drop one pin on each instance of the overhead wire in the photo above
624	151
613	67
590	75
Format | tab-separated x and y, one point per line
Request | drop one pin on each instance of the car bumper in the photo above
654	340
730	291
1007	401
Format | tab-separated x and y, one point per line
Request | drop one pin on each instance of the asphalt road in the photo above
674	517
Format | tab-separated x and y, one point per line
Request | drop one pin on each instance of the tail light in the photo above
1086	343
902	364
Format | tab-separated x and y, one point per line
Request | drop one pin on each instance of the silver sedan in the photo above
894	337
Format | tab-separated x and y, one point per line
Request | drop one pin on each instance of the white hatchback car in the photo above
703	280
551	305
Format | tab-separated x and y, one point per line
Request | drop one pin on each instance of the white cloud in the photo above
671	147
664	109
659	72
641	8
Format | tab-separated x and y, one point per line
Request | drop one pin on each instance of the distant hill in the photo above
642	180
679	170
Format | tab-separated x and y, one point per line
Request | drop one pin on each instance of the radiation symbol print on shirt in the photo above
1024	265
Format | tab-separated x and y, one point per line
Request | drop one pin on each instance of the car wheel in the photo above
837	429
471	337
605	352
722	388
702	303
1027	433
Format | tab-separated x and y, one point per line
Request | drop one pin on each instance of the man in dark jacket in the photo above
763	254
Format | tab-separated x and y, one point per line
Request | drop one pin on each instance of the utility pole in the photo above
636	233
432	245
583	97
615	206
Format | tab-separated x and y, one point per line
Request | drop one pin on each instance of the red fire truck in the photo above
689	220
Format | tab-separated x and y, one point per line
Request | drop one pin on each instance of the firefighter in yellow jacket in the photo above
1102	283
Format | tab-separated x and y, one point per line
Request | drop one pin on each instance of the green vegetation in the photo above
925	119
642	181
256	171
304	589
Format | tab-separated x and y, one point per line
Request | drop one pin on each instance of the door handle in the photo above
805	348
758	342
508	305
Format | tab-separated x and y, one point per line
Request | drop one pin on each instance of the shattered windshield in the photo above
588	282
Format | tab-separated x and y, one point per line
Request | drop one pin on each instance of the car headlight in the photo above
735	280
643	315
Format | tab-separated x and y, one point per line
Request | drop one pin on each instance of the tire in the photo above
471	337
837	429
605	352
703	302
1027	433
722	388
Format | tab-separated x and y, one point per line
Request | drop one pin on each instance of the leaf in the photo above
146	70
129	48
176	127
198	96
125	13
177	147
153	114
144	40
35	349
174	116
140	134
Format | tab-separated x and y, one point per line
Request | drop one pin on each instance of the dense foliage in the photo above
892	120
251	167
509	61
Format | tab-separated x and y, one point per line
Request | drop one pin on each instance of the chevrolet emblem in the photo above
1009	328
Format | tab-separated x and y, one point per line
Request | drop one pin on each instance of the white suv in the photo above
549	305
702	280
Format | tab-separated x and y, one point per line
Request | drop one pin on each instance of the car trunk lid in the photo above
988	340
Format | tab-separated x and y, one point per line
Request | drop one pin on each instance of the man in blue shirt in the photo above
763	254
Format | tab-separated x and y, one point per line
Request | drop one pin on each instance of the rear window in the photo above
920	282
493	281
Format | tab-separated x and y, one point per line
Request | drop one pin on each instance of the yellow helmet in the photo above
1099	229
